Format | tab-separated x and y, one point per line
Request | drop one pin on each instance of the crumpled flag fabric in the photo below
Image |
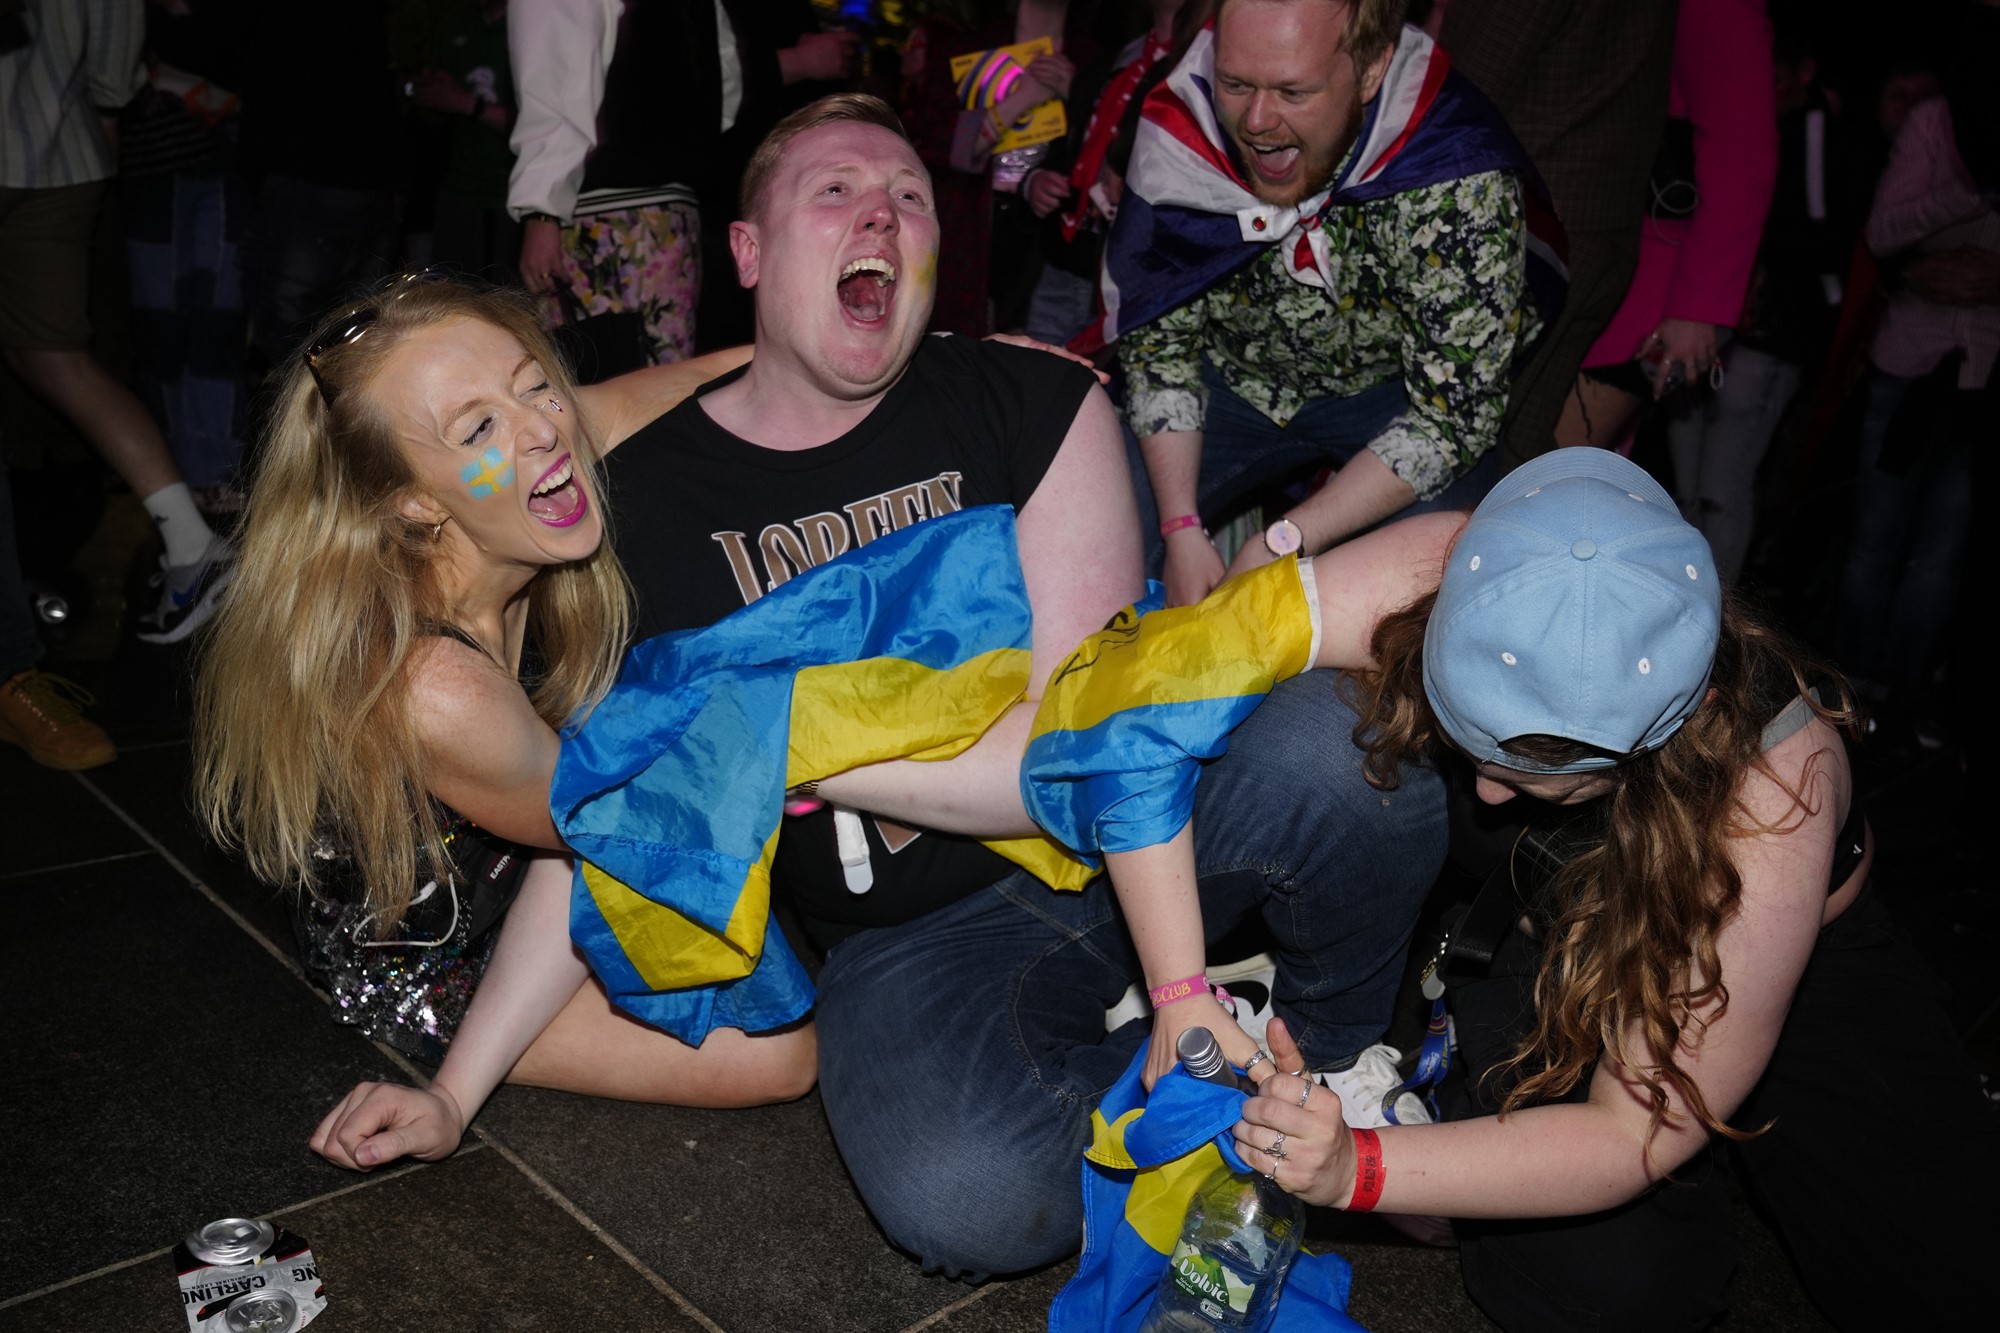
1127	720
671	792
1146	1160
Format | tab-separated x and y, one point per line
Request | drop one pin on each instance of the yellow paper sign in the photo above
984	78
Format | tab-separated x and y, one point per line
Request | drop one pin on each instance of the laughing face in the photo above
490	443
1288	97
843	257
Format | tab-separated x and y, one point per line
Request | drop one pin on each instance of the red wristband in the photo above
1174	525
1178	990
1369	1173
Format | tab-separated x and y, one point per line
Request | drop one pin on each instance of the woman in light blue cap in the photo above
1711	969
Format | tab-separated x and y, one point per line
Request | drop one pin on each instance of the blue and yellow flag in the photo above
1146	1160
671	793
1127	720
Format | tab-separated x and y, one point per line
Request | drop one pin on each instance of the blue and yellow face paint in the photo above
489	474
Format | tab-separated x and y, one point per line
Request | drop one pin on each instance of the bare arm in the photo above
1554	1161
535	971
491	758
1361	581
1080	559
618	408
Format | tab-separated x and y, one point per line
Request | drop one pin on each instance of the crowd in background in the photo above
1784	261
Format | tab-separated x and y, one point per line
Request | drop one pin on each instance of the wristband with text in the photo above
1174	525
1178	990
1369	1173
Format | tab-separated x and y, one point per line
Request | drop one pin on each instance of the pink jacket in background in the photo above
1699	268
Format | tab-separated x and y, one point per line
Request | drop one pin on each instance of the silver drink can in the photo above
242	1275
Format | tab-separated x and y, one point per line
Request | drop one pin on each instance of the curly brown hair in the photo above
1631	945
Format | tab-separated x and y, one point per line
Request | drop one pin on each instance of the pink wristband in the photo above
1178	990
1174	525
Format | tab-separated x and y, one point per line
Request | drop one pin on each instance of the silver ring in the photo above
1251	1063
1271	1175
1305	1093
1277	1148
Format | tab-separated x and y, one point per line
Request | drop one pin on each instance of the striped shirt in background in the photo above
82	56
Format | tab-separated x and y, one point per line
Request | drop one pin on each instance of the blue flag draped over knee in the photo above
671	792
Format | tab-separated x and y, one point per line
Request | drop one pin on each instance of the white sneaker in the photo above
1367	1088
1134	1004
1248	985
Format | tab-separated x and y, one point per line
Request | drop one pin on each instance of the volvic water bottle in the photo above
1237	1242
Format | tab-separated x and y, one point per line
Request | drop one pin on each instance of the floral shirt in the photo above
1427	284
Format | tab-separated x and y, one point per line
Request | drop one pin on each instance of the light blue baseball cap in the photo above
1577	603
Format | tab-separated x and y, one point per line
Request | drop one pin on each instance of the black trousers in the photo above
1880	1167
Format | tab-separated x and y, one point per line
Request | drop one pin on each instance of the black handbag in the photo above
599	347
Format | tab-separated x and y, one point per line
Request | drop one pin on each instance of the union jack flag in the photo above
1188	218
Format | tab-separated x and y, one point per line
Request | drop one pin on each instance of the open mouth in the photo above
867	289
1273	162
557	499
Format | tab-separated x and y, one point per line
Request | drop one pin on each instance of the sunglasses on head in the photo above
361	318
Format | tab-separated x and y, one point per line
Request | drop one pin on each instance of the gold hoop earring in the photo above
437	529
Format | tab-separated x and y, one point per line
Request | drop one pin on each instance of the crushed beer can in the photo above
242	1275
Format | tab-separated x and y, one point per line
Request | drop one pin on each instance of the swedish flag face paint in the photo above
489	474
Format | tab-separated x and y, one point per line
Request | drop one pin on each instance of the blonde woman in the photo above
425	595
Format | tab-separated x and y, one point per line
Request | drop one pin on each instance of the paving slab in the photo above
53	820
172	1072
748	1212
153	787
466	1246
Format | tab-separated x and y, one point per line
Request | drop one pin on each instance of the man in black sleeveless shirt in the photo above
962	1002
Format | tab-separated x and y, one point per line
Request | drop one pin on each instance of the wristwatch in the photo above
1284	538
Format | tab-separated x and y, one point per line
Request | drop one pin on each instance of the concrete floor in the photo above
170	1061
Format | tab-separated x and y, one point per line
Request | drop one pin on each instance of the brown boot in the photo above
38	712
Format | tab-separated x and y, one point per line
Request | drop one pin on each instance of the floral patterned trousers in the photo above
645	259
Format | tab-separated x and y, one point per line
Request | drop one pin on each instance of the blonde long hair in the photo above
303	737
1636	917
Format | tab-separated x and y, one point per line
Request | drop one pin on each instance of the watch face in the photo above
1284	538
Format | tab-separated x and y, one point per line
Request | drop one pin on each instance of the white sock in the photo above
181	525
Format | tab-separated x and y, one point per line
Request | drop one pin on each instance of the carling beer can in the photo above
241	1275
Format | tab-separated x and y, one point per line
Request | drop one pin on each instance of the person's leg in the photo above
597	1049
644	259
1244	451
1286	825
1600	269
1927	589
1739	420
309	245
1884	506
961	1056
1595	413
1869	1055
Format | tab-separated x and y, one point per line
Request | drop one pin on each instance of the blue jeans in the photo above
1244	452
961	1054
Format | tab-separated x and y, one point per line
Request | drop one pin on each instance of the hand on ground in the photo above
379	1122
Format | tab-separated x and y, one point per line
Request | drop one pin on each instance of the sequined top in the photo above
1428	284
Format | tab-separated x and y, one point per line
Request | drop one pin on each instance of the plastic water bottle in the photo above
1237	1242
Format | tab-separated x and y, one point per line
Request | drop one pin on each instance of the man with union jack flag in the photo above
1331	251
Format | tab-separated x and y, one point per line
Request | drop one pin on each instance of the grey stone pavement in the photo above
168	1062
